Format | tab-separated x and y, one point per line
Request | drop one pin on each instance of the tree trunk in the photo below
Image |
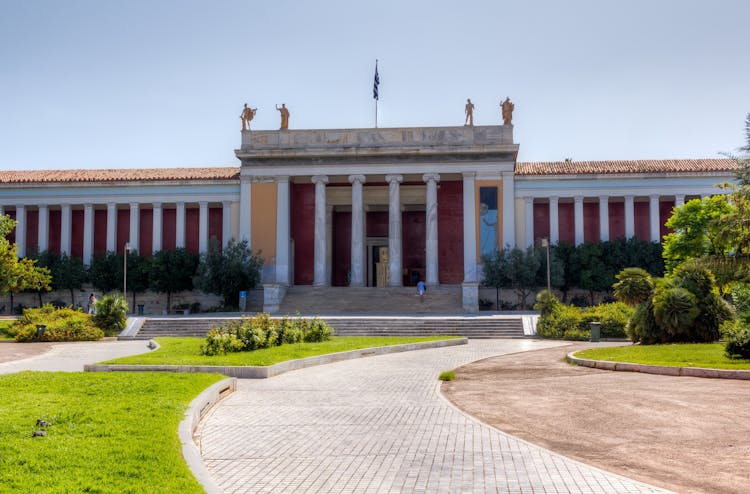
169	302
72	299
11	303
40	298
497	298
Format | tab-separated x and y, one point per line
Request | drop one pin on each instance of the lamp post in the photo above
125	251
545	243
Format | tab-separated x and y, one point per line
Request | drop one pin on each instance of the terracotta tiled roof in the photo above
626	166
121	175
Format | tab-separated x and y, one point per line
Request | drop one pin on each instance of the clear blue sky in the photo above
122	84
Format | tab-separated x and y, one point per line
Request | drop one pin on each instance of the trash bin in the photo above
595	331
140	309
40	329
243	301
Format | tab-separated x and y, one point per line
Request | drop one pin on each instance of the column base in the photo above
273	294
470	296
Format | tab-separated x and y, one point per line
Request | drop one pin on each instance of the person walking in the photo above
92	304
421	289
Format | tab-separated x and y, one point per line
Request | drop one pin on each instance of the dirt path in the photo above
687	434
17	351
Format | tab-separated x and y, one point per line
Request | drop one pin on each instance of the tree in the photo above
567	255
595	274
634	286
228	272
105	272
68	273
172	271
18	274
139	271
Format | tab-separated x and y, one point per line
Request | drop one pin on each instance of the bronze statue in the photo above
507	111
246	116
469	113
284	111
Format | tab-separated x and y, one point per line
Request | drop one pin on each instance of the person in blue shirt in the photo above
421	289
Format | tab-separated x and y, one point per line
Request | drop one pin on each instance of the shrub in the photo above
675	309
546	303
741	300
613	317
737	339
643	328
62	325
577	335
111	314
634	286
563	319
220	343
317	330
447	376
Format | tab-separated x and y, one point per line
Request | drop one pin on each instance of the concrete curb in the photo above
662	370
196	410
257	372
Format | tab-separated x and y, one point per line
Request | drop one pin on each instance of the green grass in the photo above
186	351
3	330
708	355
108	433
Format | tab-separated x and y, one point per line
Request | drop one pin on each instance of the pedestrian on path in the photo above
421	289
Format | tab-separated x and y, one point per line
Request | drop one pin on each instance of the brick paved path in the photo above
376	425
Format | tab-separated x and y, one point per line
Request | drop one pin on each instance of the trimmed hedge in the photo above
568	322
252	333
62	325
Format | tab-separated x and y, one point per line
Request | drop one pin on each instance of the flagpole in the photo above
376	114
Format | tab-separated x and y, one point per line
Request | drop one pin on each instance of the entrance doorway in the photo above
376	246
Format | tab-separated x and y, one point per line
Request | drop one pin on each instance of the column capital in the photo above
394	178
528	199
629	197
357	178
316	179
156	205
135	204
603	198
469	175
578	199
203	204
180	204
553	198
282	179
226	204
431	177
654	197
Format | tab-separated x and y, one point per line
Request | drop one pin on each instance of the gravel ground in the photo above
10	350
686	434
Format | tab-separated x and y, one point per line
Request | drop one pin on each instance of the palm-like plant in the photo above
634	286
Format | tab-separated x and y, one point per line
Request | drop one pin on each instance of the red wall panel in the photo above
377	224
566	216
591	222
168	228
303	232
76	233
54	231
450	232
215	224
123	229
192	217
146	232
32	232
616	220
413	232
665	212
641	215
100	231
341	248
541	220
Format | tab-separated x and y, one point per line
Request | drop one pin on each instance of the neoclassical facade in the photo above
357	207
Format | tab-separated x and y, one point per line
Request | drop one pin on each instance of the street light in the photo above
545	243
125	250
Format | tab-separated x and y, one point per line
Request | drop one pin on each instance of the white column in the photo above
43	227
394	229
629	217
529	220
431	223
157	228
320	270
470	228
653	210
202	226
578	219
358	232
66	224
679	200
2	211
509	210
603	218
226	222
21	230
282	230
246	188
180	225
554	220
88	233
135	227
111	227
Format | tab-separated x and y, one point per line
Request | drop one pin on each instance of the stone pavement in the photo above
380	425
71	357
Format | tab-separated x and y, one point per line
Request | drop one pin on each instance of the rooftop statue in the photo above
507	111
469	113
284	111
246	116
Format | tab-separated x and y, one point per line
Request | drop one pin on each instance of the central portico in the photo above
374	207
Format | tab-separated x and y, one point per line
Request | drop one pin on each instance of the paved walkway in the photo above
380	425
71	357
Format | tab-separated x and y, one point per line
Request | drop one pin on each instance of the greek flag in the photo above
375	84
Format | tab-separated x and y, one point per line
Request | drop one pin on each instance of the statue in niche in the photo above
469	112
284	111
507	110
246	116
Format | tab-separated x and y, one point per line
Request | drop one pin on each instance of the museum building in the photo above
358	207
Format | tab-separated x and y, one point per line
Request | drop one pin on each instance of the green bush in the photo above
252	333
741	300
737	339
634	286
577	335
675	309
62	325
111	314
642	327
546	303
562	319
447	376
613	317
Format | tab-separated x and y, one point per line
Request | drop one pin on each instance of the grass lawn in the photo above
186	351
108	432
708	355
3	327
